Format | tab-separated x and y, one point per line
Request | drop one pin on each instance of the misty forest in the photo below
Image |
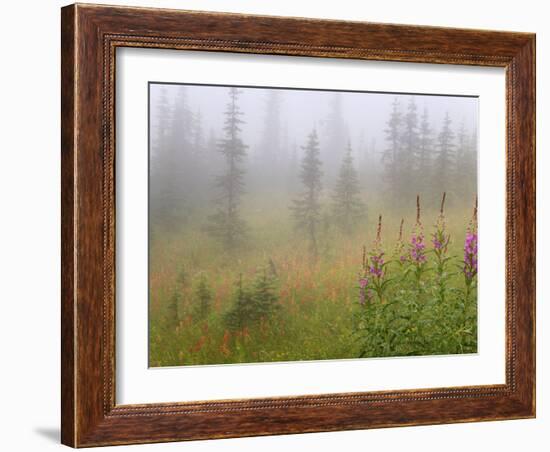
289	224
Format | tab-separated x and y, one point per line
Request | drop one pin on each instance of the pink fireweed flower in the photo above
440	238
417	247
363	280
373	269
470	255
470	249
399	252
437	244
376	267
375	263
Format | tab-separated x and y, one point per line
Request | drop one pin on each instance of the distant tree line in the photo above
417	160
189	170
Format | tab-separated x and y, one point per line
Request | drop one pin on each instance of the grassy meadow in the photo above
295	224
336	306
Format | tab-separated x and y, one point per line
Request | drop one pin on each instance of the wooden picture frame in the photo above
90	35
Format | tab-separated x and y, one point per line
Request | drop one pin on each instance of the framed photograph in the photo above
282	225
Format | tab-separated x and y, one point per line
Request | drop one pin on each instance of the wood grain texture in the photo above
90	36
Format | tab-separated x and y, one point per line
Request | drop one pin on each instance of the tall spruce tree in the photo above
408	154
226	224
423	167
306	207
347	207
445	159
390	156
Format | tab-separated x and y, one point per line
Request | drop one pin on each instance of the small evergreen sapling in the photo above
203	296
264	295
240	313
172	311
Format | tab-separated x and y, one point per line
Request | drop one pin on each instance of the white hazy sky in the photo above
364	112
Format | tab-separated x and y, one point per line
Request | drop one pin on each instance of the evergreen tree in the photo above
172	311
306	208
203	296
348	208
241	312
213	158
390	156
171	165
408	154
226	224
174	303
264	294
182	277
445	158
422	169
164	112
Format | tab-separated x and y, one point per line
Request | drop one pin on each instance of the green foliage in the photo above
306	208
172	311
433	317
426	309
347	207
226	224
203	296
307	306
255	303
242	312
182	277
264	294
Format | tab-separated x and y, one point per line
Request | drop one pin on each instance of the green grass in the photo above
319	315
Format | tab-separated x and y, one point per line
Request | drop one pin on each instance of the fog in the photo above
365	114
400	144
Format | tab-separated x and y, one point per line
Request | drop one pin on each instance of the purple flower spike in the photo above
363	283
416	248
470	255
